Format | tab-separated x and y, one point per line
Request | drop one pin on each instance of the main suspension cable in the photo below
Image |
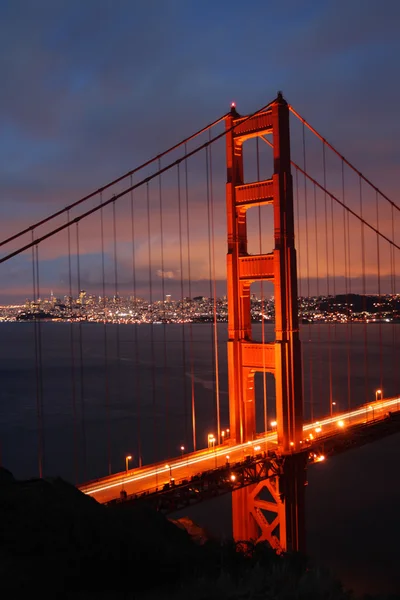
146	180
321	187
114	182
311	128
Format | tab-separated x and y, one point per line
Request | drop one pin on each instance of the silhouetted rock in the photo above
198	534
56	542
51	532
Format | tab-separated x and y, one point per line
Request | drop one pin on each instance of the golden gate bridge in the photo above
161	228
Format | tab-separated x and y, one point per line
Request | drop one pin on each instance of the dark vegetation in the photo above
55	542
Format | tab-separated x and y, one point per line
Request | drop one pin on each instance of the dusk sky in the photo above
92	88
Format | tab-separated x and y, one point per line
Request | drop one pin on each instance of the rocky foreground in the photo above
55	542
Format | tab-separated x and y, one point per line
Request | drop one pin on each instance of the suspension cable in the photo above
81	369
317	292
153	359
210	278
185	413
378	258
39	412
137	370
114	182
105	342
311	128
364	291
146	180
327	284
215	327
310	361
346	288
193	399
321	187
73	377
164	326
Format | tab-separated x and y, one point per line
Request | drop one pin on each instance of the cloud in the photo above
89	90
165	274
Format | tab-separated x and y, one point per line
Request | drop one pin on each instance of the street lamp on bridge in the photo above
170	471
378	393
127	459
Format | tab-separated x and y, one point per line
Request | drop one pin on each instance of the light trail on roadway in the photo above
157	475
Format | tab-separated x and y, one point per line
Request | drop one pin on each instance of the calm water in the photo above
138	385
132	385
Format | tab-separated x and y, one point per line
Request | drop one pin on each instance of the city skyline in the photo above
338	309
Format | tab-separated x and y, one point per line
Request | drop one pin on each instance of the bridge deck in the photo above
155	477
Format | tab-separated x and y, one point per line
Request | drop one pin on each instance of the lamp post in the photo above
127	459
378	393
170	471
215	452
182	451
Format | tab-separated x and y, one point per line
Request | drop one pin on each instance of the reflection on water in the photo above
134	383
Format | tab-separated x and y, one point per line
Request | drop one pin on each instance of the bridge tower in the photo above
273	509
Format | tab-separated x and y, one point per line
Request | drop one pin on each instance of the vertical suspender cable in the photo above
378	258
364	291
72	350
395	346
185	413
81	369
333	256
136	371
346	289
299	270
210	271
39	328
215	327
317	292
105	341
117	303
334	297
327	284
349	332
311	384
153	358
166	378
166	383
193	402
37	365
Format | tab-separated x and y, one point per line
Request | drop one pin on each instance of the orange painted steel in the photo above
281	522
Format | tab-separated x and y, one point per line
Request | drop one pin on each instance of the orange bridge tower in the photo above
273	509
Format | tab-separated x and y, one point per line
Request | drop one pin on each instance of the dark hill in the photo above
55	542
52	534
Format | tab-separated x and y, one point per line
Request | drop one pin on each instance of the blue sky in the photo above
91	88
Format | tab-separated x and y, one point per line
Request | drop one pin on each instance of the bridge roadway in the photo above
148	478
